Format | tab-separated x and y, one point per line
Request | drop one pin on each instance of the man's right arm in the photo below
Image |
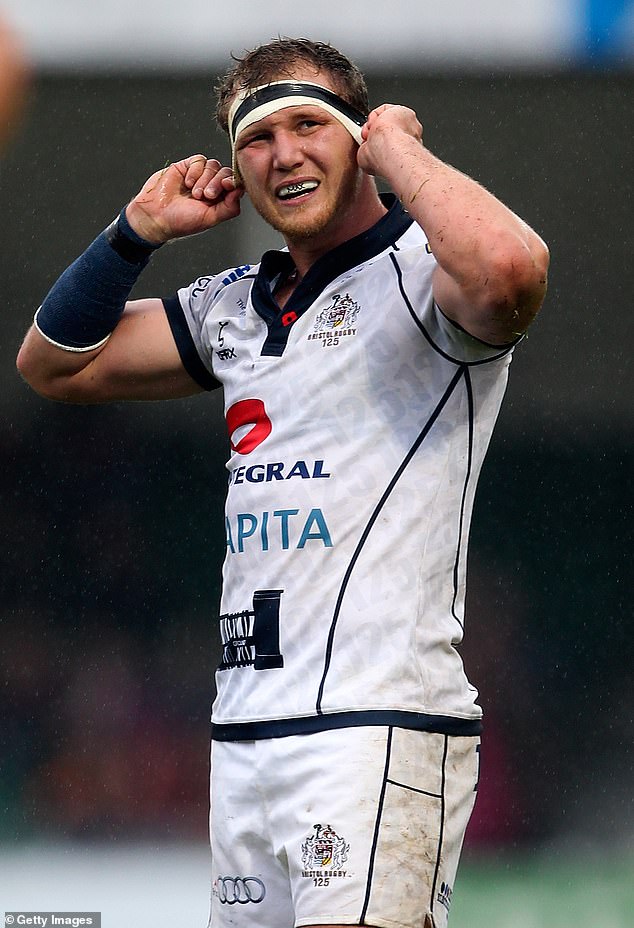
139	361
88	343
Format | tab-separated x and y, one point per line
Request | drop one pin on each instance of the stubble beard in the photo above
299	228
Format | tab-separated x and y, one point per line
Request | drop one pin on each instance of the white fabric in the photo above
324	503
358	826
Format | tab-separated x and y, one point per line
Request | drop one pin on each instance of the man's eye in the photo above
253	138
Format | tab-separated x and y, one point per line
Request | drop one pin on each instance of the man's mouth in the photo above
292	191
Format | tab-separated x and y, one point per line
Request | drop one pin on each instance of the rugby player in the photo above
363	365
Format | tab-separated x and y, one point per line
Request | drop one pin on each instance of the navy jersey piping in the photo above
504	349
377	827
456	566
361	248
311	724
441	829
192	361
370	523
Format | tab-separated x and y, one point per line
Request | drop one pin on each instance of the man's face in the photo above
299	167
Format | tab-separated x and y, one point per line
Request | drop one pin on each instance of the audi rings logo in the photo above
239	889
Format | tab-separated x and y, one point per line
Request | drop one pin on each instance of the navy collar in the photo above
355	251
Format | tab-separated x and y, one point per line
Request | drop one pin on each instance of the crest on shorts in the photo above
324	848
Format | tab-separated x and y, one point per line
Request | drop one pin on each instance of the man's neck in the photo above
360	217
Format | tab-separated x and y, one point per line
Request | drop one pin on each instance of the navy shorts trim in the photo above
280	728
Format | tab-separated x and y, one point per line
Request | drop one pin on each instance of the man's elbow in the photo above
28	368
531	280
46	387
518	283
537	264
45	378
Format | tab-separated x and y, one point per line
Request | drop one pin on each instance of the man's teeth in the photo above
296	190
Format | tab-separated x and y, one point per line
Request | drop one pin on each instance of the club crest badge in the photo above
337	321
324	849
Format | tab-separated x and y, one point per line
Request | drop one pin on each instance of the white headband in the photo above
252	105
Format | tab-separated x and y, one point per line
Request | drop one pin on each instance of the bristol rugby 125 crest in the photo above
323	855
336	321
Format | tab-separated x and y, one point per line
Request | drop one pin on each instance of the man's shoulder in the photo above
207	288
218	281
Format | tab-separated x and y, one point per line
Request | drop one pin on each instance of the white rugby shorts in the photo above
357	826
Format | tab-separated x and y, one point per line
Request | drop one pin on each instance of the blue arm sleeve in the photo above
84	305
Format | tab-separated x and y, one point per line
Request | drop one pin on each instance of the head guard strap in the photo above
252	105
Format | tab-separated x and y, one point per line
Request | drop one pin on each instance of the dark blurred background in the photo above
111	518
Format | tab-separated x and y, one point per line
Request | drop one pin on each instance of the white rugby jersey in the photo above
358	418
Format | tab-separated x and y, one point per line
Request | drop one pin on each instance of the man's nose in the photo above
287	151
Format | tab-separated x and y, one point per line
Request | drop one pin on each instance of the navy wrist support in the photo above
85	304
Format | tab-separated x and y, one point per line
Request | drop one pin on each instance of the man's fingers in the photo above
197	167
184	198
206	178
214	182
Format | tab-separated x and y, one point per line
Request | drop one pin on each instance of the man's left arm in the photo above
492	267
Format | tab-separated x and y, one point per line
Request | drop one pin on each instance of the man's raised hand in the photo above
185	198
389	130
